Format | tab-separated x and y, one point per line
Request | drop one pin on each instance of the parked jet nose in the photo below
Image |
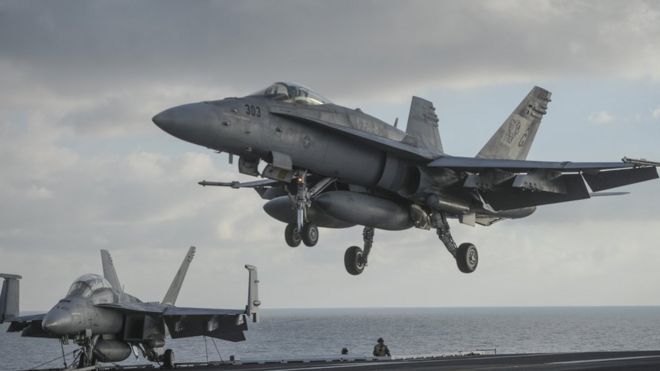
189	122
57	321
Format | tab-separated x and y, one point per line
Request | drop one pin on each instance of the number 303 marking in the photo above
252	110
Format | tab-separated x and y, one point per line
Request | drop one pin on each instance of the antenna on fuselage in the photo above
396	122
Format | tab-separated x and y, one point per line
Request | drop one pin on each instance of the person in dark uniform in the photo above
381	350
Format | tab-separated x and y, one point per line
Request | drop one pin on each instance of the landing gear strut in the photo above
302	230
466	254
355	259
86	356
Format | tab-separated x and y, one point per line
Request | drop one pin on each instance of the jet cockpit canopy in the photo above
289	92
85	285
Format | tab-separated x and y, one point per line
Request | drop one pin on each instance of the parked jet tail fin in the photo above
9	296
514	138
422	127
109	271
251	309
175	286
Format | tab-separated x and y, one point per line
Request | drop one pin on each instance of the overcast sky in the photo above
83	168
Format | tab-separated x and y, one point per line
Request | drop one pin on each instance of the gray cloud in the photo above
83	168
78	47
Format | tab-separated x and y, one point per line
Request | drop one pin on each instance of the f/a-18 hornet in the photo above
108	324
336	167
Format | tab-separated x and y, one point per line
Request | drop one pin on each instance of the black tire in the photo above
168	359
467	258
353	260
310	234
292	236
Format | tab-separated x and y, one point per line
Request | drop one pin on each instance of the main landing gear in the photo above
466	254
355	258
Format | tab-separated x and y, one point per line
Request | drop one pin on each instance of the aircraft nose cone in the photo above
166	120
190	122
57	321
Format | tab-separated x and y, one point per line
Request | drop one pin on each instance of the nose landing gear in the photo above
303	230
309	235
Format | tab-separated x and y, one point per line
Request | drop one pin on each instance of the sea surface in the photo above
306	333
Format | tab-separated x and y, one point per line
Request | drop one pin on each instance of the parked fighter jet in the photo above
336	167
107	323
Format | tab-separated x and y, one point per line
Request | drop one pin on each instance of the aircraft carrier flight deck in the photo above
628	360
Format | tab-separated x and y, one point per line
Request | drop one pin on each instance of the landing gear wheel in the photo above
168	359
467	257
354	261
292	235
310	234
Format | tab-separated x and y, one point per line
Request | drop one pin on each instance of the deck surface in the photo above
630	360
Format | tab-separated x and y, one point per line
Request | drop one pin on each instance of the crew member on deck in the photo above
381	350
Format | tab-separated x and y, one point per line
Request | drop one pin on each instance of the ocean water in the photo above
300	333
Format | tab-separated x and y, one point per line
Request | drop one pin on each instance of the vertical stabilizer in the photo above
175	286
109	271
514	138
9	297
253	293
422	127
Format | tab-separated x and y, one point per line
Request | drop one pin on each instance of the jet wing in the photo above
513	184
386	144
29	326
471	164
225	324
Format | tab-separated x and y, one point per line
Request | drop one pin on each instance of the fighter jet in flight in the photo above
108	324
335	167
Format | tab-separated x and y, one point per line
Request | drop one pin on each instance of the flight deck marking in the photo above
601	360
367	363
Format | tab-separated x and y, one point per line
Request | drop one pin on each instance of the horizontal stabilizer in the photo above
616	178
516	198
